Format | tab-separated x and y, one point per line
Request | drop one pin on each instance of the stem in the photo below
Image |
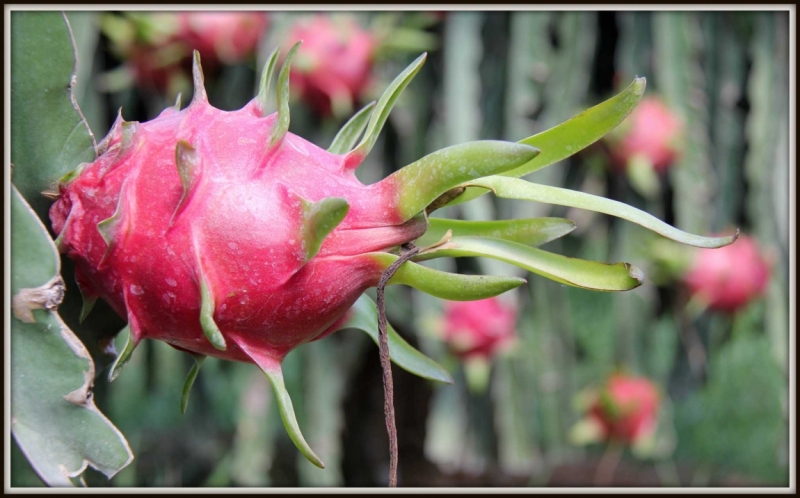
407	252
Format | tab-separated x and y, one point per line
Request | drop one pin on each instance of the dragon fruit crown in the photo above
223	234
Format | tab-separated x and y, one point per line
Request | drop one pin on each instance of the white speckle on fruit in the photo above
171	282
136	290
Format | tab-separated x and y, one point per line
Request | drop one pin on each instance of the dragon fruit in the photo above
223	234
336	67
225	36
652	133
728	279
626	408
479	328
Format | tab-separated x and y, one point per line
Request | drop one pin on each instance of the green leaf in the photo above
49	138
569	271
364	316
420	183
532	232
382	110
190	378
320	219
348	136
266	77
451	286
288	417
282	124
210	329
573	135
512	188
53	416
124	357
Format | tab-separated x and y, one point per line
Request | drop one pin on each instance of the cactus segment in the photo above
532	231
111	227
266	77
348	136
198	80
451	286
514	188
321	218
420	183
190	378
363	315
570	271
272	369
381	113
124	357
282	124
187	161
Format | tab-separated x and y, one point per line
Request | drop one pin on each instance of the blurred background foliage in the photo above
723	377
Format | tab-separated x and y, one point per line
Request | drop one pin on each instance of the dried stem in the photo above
407	252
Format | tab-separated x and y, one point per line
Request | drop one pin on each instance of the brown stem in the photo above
407	252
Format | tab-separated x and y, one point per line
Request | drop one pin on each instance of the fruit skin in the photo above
240	227
335	62
729	278
626	408
652	131
479	329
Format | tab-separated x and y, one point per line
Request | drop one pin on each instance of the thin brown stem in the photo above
407	252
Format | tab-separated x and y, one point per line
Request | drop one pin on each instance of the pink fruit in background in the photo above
652	131
222	234
157	47
626	408
225	36
730	277
334	66
479	328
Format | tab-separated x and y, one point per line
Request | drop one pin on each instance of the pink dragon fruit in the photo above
729	278
652	132
222	234
479	328
626	408
159	55
225	36
336	67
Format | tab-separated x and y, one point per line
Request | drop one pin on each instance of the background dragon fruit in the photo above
626	408
731	278
335	67
157	47
566	335
479	328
